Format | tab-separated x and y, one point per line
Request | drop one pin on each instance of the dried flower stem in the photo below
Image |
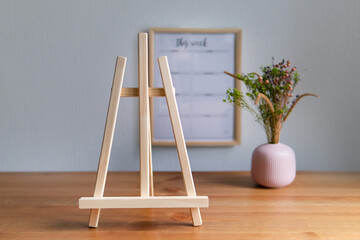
275	136
259	96
230	74
297	100
234	76
257	74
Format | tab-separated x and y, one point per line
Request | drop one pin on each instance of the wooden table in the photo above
318	205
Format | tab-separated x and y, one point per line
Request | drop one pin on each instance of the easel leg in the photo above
150	157
144	116
151	172
108	137
179	136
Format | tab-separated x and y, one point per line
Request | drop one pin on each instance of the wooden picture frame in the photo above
182	34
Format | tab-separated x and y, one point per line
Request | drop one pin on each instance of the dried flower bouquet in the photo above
272	92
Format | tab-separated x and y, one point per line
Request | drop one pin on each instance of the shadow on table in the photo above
124	219
115	225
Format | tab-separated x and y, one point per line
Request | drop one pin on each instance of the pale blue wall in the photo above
57	60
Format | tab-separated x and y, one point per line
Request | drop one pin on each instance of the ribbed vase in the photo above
273	165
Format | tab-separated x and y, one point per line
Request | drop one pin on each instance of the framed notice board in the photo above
197	60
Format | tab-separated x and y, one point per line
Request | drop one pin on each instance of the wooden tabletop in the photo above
318	205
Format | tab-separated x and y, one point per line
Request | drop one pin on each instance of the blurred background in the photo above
57	60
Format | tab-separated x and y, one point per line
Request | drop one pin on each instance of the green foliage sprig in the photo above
272	93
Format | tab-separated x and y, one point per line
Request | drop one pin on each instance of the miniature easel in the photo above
146	199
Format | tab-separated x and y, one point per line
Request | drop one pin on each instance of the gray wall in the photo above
57	60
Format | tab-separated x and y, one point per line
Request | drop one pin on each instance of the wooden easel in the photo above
147	198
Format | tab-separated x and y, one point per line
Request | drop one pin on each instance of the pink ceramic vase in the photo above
273	165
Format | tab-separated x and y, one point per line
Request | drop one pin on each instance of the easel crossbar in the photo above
134	92
144	202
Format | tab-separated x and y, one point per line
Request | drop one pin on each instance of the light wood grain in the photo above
179	136
143	202
238	64
143	116
194	30
151	177
108	136
318	205
134	92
